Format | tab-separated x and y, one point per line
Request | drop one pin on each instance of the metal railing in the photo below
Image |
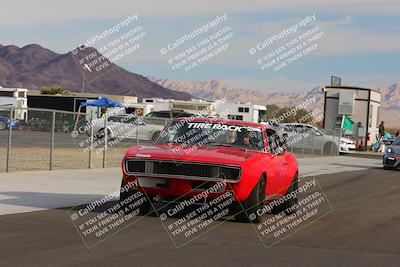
46	140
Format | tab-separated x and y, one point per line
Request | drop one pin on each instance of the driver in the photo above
242	138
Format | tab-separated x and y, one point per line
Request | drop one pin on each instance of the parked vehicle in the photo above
391	158
127	126
188	158
5	123
164	116
309	137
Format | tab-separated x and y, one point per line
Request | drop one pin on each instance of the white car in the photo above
126	126
347	145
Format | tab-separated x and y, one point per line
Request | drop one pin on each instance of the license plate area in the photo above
153	183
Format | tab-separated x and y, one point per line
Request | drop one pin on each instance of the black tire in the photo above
330	148
3	125
101	134
144	208
253	203
155	135
289	206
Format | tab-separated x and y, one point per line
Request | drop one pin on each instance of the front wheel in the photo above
289	206
3	125
253	203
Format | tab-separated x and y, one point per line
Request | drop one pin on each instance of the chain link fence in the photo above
51	139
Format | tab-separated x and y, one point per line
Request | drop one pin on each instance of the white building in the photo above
242	111
362	105
17	98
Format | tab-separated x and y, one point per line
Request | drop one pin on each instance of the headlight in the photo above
389	150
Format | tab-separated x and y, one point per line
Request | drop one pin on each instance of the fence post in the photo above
340	136
137	131
91	139
105	140
312	143
53	123
9	141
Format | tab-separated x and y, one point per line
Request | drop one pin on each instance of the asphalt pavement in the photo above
362	229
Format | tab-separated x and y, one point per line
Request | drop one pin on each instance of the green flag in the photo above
347	124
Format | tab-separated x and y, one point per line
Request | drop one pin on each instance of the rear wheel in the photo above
330	148
155	135
101	134
3	125
253	203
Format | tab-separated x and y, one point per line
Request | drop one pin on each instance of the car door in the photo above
276	169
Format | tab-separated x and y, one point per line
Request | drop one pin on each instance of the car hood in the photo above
217	155
346	140
396	149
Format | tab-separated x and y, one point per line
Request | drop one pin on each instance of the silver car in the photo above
308	137
126	126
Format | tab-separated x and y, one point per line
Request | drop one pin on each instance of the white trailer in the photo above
242	111
16	98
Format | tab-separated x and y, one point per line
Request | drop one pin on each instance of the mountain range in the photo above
34	66
213	90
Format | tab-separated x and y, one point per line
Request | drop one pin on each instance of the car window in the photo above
163	115
272	141
397	142
151	114
115	118
181	115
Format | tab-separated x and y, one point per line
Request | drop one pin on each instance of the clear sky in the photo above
361	41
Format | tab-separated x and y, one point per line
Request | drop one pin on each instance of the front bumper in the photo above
184	188
347	147
391	161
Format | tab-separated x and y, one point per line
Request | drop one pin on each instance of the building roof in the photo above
352	87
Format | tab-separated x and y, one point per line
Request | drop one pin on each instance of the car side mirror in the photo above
279	151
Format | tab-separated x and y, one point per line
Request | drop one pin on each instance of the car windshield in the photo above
189	134
397	142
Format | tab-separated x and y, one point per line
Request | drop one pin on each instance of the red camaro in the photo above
190	152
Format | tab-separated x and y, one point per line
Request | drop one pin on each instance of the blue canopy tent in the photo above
102	103
99	103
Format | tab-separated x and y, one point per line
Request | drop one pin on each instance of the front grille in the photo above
136	166
390	162
187	170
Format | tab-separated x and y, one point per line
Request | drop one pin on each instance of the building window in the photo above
378	117
8	94
244	110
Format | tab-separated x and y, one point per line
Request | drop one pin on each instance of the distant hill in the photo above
212	90
33	66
